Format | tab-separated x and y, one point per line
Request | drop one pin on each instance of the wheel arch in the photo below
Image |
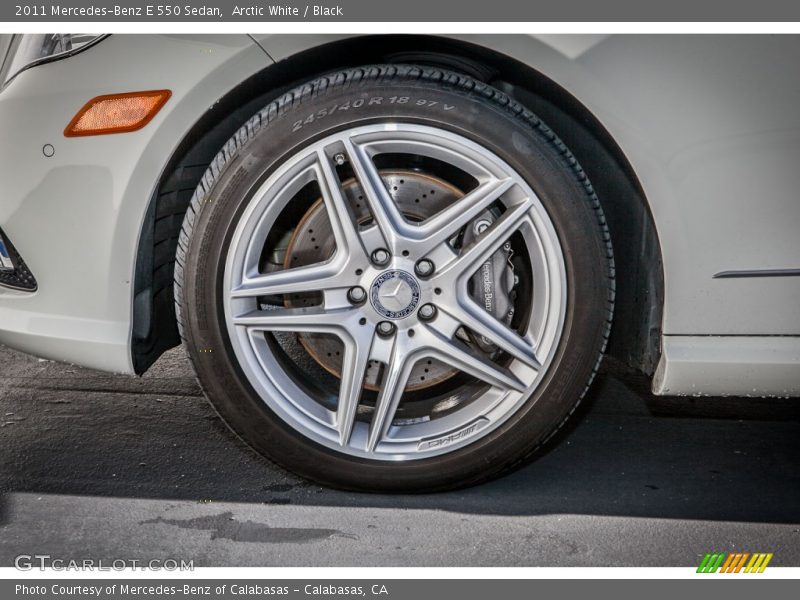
636	331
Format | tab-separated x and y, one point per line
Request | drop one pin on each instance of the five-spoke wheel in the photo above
397	291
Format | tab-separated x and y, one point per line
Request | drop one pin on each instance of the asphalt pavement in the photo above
107	467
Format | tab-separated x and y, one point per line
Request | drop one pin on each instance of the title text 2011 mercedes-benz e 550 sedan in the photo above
396	261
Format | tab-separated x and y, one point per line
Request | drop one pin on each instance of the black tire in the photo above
479	112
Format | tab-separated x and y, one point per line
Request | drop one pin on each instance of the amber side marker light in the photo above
117	113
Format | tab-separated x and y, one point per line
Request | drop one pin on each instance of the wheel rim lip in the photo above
276	388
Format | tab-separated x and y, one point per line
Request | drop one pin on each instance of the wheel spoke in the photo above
345	230
382	206
313	278
394	383
458	355
443	226
310	320
354	367
489	241
487	326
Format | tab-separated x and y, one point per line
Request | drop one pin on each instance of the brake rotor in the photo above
418	196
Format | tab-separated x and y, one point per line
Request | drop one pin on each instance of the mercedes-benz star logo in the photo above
395	294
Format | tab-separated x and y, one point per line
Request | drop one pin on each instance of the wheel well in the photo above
635	334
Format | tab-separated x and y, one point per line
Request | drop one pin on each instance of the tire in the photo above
266	395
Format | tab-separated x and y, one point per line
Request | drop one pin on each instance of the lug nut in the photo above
381	257
385	328
339	159
427	312
356	295
424	268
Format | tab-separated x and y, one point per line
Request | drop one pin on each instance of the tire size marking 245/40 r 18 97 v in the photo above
371	101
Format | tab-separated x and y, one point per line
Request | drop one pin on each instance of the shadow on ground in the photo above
66	430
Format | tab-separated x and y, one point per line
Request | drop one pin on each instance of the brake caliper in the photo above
493	284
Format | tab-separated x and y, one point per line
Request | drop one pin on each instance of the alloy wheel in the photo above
425	364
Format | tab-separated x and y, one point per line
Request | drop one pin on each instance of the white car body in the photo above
708	125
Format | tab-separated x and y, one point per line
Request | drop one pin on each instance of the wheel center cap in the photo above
394	294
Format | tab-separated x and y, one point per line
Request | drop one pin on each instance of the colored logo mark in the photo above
739	562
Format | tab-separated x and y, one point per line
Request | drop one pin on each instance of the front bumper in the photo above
76	215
